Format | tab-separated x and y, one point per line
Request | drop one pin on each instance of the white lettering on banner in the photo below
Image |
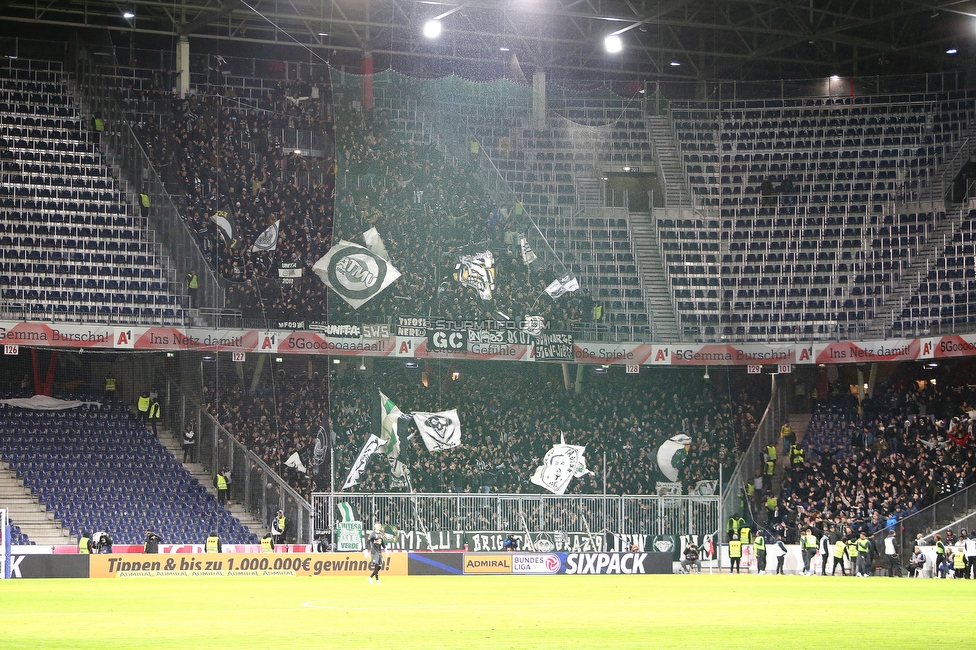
605	563
15	561
11	349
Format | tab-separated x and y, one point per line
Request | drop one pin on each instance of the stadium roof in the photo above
662	39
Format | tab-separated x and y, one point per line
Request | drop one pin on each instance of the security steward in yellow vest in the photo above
267	545
771	452
852	554
110	384
941	568
959	563
279	527
760	547
221	483
735	554
84	544
144	205
745	535
840	548
155	413
808	544
864	556
192	286
143	406
213	544
796	459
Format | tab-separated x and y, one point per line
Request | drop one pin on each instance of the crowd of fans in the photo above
218	154
509	419
909	447
429	208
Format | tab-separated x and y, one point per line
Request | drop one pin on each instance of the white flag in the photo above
371	447
294	461
528	255
558	468
355	273
560	286
439	430
375	243
478	272
389	433
268	240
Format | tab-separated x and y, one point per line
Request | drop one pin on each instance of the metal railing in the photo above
620	515
957	510
257	487
777	412
122	150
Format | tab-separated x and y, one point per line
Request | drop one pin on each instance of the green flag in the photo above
388	426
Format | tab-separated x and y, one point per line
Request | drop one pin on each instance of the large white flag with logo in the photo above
439	430
268	240
559	466
354	272
389	433
373	445
478	272
563	285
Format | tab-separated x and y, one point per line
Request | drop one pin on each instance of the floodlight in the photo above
613	44
432	28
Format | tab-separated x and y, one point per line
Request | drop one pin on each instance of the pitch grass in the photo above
550	612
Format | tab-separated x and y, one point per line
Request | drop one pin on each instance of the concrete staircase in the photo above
927	254
800	422
174	445
589	192
34	520
676	190
654	281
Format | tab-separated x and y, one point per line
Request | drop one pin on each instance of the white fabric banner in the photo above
371	447
355	273
559	466
478	272
45	403
563	285
439	430
268	240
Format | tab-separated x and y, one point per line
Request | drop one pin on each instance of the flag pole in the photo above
604	473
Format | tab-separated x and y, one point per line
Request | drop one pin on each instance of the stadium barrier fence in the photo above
529	514
255	485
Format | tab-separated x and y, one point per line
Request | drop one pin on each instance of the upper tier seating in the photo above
70	244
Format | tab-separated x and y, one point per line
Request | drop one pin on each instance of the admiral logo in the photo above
487	563
525	563
605	563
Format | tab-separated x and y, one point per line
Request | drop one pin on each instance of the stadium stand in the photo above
99	468
17	536
824	208
870	471
72	248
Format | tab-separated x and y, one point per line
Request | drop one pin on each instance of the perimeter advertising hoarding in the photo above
49	566
250	564
567	563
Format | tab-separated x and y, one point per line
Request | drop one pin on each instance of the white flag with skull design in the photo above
439	430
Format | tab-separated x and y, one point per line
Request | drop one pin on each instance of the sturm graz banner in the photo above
355	273
554	347
485	541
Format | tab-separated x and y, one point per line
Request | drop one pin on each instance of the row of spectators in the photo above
509	419
909	447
